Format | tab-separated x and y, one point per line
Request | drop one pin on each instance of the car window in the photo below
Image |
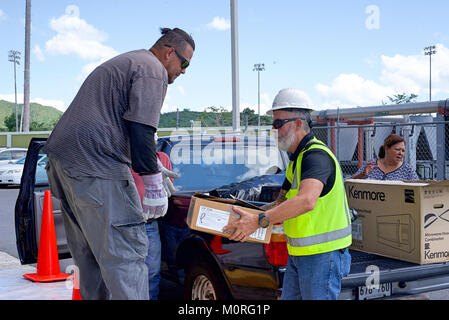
20	161
41	178
5	155
215	164
43	159
17	154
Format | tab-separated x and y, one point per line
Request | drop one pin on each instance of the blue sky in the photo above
340	53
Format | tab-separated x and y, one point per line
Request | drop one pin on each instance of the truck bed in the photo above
361	260
406	278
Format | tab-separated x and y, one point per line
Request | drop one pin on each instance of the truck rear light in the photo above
276	251
216	246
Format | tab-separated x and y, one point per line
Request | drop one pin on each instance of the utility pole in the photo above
26	89
235	67
429	51
258	67
14	57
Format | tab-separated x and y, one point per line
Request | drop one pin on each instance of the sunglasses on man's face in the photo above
184	62
278	123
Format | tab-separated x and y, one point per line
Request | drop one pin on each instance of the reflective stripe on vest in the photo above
326	237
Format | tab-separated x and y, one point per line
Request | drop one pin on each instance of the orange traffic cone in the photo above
47	259
76	294
76	287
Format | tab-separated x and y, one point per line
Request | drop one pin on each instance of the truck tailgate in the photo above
391	270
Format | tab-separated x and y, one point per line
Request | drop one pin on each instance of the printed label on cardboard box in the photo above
259	234
212	219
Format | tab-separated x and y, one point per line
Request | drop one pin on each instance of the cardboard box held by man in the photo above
210	214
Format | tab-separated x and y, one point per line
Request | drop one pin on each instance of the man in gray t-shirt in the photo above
92	135
108	128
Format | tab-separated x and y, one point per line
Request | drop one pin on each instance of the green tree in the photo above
10	121
252	117
401	98
216	116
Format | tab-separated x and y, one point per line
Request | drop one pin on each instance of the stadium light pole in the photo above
14	57
258	67
429	51
26	82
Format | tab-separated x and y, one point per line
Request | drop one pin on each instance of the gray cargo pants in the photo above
105	233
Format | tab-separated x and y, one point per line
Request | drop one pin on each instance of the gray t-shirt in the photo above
91	136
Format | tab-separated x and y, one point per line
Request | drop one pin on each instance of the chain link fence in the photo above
355	142
427	144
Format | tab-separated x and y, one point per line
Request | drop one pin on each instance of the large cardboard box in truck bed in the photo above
404	220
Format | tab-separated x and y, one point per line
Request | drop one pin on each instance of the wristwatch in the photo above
263	220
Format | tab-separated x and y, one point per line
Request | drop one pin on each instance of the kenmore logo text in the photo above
366	195
435	255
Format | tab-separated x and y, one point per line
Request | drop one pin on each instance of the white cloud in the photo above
181	90
266	102
58	104
10	97
405	73
411	73
166	106
219	23
88	68
399	74
2	15
38	53
348	90
170	108
75	36
371	60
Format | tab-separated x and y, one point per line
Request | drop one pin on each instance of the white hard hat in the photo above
290	98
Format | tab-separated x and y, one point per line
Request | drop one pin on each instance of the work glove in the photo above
166	181
155	200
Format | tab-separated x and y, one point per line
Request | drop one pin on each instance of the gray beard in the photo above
284	144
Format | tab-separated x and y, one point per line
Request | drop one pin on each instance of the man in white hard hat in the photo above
312	206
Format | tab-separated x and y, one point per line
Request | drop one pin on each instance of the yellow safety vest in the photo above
328	226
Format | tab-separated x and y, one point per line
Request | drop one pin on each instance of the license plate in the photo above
383	290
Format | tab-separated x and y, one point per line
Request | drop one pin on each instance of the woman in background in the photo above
390	165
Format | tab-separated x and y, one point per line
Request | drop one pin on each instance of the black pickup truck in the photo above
215	268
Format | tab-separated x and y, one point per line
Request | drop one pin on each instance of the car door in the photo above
29	206
17	154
